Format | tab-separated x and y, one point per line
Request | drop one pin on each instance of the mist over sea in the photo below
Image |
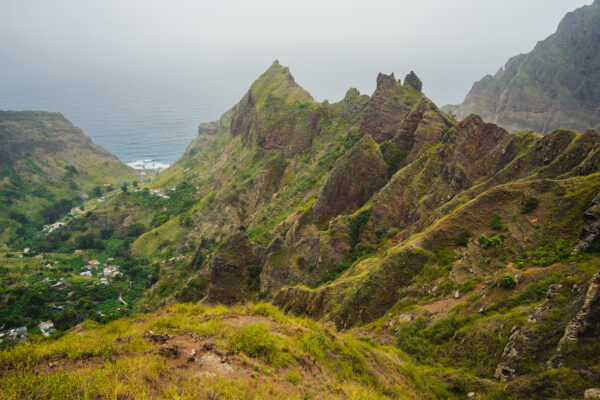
149	119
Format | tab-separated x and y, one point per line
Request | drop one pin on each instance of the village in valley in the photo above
45	293
70	288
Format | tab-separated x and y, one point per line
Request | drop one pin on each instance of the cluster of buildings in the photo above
75	211
15	334
47	328
60	283
108	271
159	193
19	334
53	227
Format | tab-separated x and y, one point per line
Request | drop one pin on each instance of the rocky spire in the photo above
413	81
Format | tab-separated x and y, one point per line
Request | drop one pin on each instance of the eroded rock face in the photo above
353	180
245	119
234	270
423	126
593	393
352	103
478	147
514	352
589	312
469	152
590	232
363	298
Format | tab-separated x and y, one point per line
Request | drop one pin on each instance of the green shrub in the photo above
486	243
256	341
482	239
159	219
445	256
463	239
530	204
392	232
293	377
496	223
507	281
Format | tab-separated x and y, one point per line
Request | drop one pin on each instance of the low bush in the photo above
507	281
256	341
529	205
463	239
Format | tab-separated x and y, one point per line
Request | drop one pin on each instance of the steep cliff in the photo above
554	86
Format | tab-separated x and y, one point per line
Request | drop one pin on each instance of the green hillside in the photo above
47	167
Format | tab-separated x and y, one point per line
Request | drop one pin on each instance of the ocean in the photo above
145	123
148	121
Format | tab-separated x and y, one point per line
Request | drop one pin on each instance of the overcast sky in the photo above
330	45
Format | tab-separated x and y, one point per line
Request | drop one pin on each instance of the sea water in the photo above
145	122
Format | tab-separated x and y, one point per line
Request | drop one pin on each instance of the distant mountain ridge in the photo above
556	85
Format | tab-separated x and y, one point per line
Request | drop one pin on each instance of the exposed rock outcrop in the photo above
593	393
353	180
234	270
423	126
589	311
259	120
413	81
352	103
363	296
590	232
480	148
388	106
245	119
514	352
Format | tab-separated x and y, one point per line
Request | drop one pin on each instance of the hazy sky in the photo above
330	45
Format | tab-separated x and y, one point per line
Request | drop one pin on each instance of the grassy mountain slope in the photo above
191	352
46	166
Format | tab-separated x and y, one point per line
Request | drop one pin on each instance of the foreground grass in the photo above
272	355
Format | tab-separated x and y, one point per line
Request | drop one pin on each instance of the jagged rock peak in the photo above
277	81
351	94
385	81
413	81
